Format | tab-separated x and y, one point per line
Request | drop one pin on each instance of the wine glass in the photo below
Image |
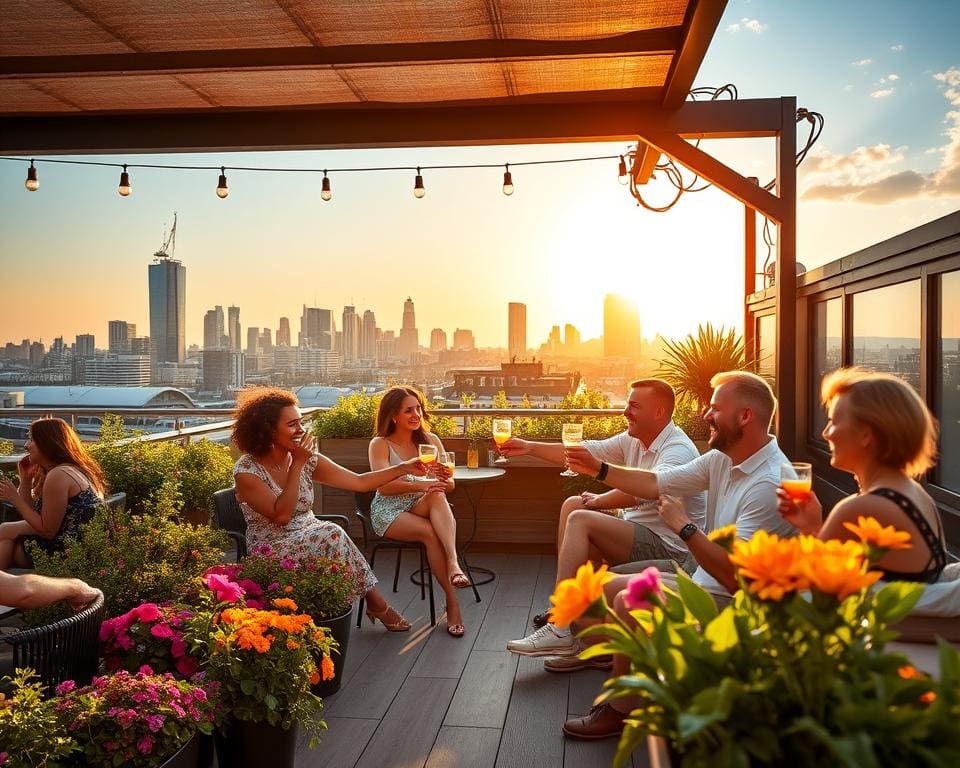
572	435
502	429
428	455
449	460
796	479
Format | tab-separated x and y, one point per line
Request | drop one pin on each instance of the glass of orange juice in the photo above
502	429
428	455
449	460
796	479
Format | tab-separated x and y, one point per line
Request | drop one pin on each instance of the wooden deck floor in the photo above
424	699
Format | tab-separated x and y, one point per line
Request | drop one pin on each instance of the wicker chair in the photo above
228	516
65	650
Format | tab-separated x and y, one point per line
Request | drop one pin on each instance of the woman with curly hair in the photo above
274	486
61	485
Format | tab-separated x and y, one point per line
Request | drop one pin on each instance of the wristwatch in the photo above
687	531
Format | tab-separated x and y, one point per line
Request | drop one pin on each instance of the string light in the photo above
325	192
507	180
32	183
124	189
418	190
222	190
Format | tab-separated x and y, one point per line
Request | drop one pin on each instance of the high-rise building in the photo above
409	343
317	329
283	332
368	336
438	340
253	341
213	329
463	340
85	346
387	346
571	339
554	342
621	327
516	330
116	371
168	310
120	334
223	370
266	340
321	364
351	335
140	345
233	327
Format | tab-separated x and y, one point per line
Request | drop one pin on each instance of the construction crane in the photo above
169	242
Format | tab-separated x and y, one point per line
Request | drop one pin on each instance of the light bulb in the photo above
32	183
418	190
507	180
222	190
325	193
622	176
124	189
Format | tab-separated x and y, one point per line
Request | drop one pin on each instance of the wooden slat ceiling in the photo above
63	60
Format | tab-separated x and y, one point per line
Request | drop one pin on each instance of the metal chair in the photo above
65	650
228	517
362	510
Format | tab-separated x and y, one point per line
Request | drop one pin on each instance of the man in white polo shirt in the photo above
740	476
652	441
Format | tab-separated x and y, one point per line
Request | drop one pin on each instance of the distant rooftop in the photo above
323	397
105	397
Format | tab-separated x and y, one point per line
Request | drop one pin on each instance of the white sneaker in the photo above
546	641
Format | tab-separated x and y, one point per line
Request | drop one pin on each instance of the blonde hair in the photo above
752	390
904	430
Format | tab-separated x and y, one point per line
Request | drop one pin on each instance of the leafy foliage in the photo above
6	447
356	416
32	736
693	361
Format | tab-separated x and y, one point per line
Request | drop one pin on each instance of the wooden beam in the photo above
378	125
703	17
647	42
749	270
644	162
787	370
717	173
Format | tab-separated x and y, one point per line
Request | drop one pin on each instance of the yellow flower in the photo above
839	568
724	536
326	668
871	532
574	596
771	565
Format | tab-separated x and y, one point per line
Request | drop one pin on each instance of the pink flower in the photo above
263	549
65	687
124	642
147	612
145	745
256	604
145	669
226	591
3	758
250	587
178	648
288	564
161	630
230	571
186	665
155	722
641	588
274	586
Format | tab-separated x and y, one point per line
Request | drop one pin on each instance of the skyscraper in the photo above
438	340
168	310
253	341
368	336
283	333
571	339
213	328
621	327
266	340
233	327
516	330
84	345
317	328
409	343
463	339
120	333
351	334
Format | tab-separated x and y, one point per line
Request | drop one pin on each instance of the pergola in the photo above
133	76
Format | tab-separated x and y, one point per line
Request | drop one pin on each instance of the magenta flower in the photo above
145	745
642	588
147	612
186	665
65	687
155	722
178	648
226	591
250	587
288	564
145	669
161	631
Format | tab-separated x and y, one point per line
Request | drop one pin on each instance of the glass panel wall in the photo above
886	330
947	379
766	345
826	351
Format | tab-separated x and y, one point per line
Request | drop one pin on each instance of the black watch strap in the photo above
602	474
687	531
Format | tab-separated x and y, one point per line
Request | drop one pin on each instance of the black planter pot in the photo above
188	756
243	744
340	629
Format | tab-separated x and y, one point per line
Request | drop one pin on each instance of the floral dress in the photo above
304	535
385	509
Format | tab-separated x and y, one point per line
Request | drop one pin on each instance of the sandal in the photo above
455	630
390	619
460	580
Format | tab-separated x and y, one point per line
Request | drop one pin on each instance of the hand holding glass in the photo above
502	429
796	479
428	455
572	435
449	460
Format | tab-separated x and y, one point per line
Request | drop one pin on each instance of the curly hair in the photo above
256	417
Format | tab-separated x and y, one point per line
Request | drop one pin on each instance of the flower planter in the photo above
188	756
245	744
339	627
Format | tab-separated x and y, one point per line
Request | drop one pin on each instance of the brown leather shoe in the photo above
602	722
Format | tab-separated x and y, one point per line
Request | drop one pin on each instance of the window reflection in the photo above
766	345
886	330
826	341
948	382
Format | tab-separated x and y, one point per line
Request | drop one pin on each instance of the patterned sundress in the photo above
80	509
304	535
385	509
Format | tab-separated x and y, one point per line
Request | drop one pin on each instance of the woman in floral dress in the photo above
274	485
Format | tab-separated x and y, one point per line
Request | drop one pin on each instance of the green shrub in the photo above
355	415
693	361
205	468
6	447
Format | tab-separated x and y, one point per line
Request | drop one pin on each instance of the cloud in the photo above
869	176
862	62
882	93
897	48
893	78
754	25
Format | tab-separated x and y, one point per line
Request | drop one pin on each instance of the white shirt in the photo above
671	448
743	495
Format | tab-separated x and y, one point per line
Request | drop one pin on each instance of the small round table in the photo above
479	478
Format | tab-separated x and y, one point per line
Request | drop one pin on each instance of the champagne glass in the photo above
572	435
428	455
449	460
796	479
502	429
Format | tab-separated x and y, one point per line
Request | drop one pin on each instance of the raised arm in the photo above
637	482
330	473
515	446
55	493
379	456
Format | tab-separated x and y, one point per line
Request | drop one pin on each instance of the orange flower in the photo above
284	602
839	568
771	565
929	697
573	597
292	644
326	668
288	589
872	533
314	677
910	672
